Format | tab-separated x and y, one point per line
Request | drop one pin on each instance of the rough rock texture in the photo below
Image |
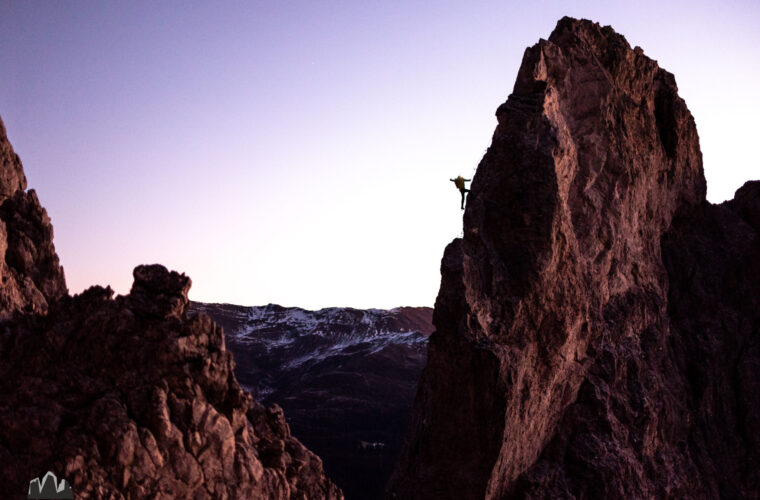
12	176
597	326
128	397
30	275
346	379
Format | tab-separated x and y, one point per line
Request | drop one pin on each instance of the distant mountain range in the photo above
346	379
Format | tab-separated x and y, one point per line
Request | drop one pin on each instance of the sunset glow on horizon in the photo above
300	152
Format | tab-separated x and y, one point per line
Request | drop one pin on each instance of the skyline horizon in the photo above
299	155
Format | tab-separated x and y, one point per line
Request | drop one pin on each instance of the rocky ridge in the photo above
126	397
597	326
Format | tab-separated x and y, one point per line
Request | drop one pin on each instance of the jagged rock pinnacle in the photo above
594	324
158	292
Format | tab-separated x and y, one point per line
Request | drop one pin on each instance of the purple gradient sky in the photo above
299	152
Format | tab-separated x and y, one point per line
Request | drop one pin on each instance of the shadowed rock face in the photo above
30	275
12	178
128	397
597	326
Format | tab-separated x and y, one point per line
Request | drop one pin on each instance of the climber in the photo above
459	183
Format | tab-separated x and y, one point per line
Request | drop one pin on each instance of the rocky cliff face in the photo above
345	377
129	397
597	326
30	274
